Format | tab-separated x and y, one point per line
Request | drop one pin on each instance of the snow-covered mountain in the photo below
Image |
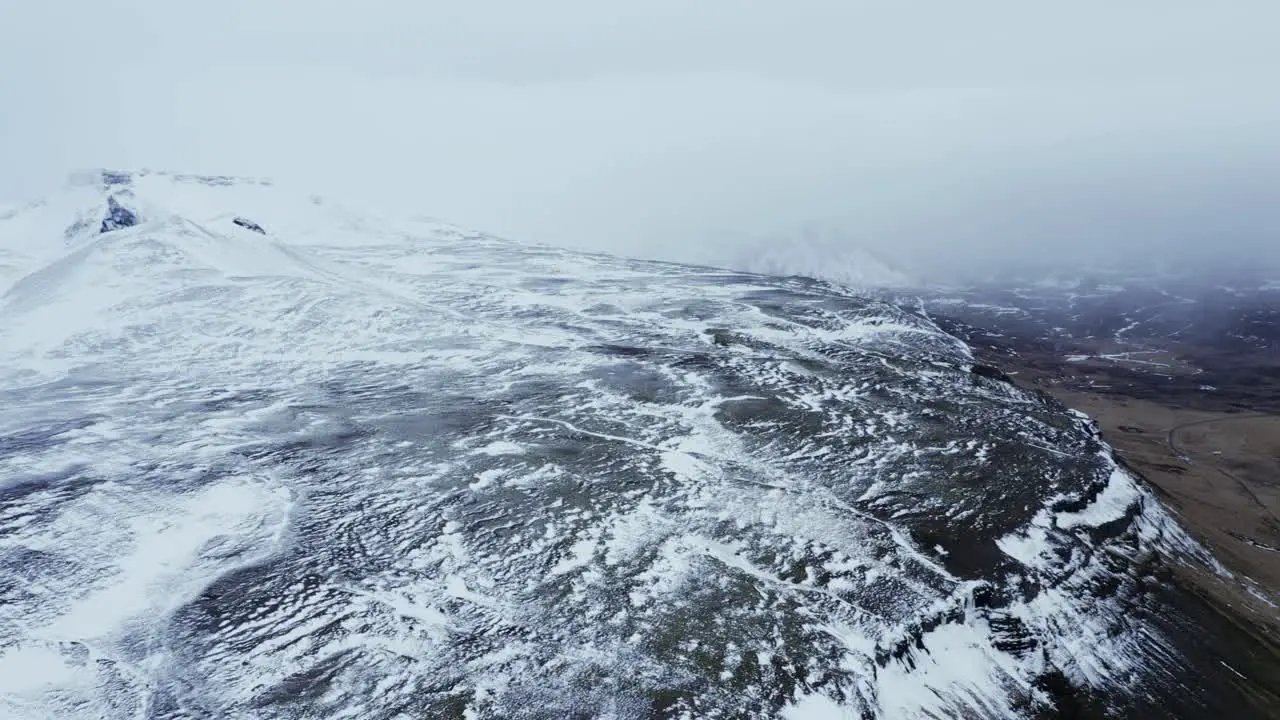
261	456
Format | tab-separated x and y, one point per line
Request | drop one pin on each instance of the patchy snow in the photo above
1120	495
956	667
346	464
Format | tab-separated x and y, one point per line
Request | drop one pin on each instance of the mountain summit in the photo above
267	457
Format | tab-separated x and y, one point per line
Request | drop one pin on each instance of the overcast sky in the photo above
923	131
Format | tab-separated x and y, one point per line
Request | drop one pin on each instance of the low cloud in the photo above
803	137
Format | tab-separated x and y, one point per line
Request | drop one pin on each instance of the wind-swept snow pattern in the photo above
264	457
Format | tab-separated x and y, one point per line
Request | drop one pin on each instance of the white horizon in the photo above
930	135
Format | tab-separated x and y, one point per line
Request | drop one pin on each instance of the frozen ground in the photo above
261	456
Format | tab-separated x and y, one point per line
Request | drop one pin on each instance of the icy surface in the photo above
343	467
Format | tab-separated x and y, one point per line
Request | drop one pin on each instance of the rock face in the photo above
118	217
384	470
248	224
991	373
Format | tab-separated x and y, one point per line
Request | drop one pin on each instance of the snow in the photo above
33	668
956	668
1087	640
404	457
1120	494
819	707
579	556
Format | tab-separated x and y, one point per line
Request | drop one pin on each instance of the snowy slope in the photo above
310	464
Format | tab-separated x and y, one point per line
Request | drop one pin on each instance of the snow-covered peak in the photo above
95	203
157	196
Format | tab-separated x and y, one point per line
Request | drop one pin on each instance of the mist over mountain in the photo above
942	139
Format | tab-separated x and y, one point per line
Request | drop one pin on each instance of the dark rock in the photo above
720	336
110	177
993	373
118	217
248	224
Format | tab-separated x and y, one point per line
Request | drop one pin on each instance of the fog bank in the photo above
936	139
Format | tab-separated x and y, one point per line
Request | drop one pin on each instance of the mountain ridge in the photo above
346	465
